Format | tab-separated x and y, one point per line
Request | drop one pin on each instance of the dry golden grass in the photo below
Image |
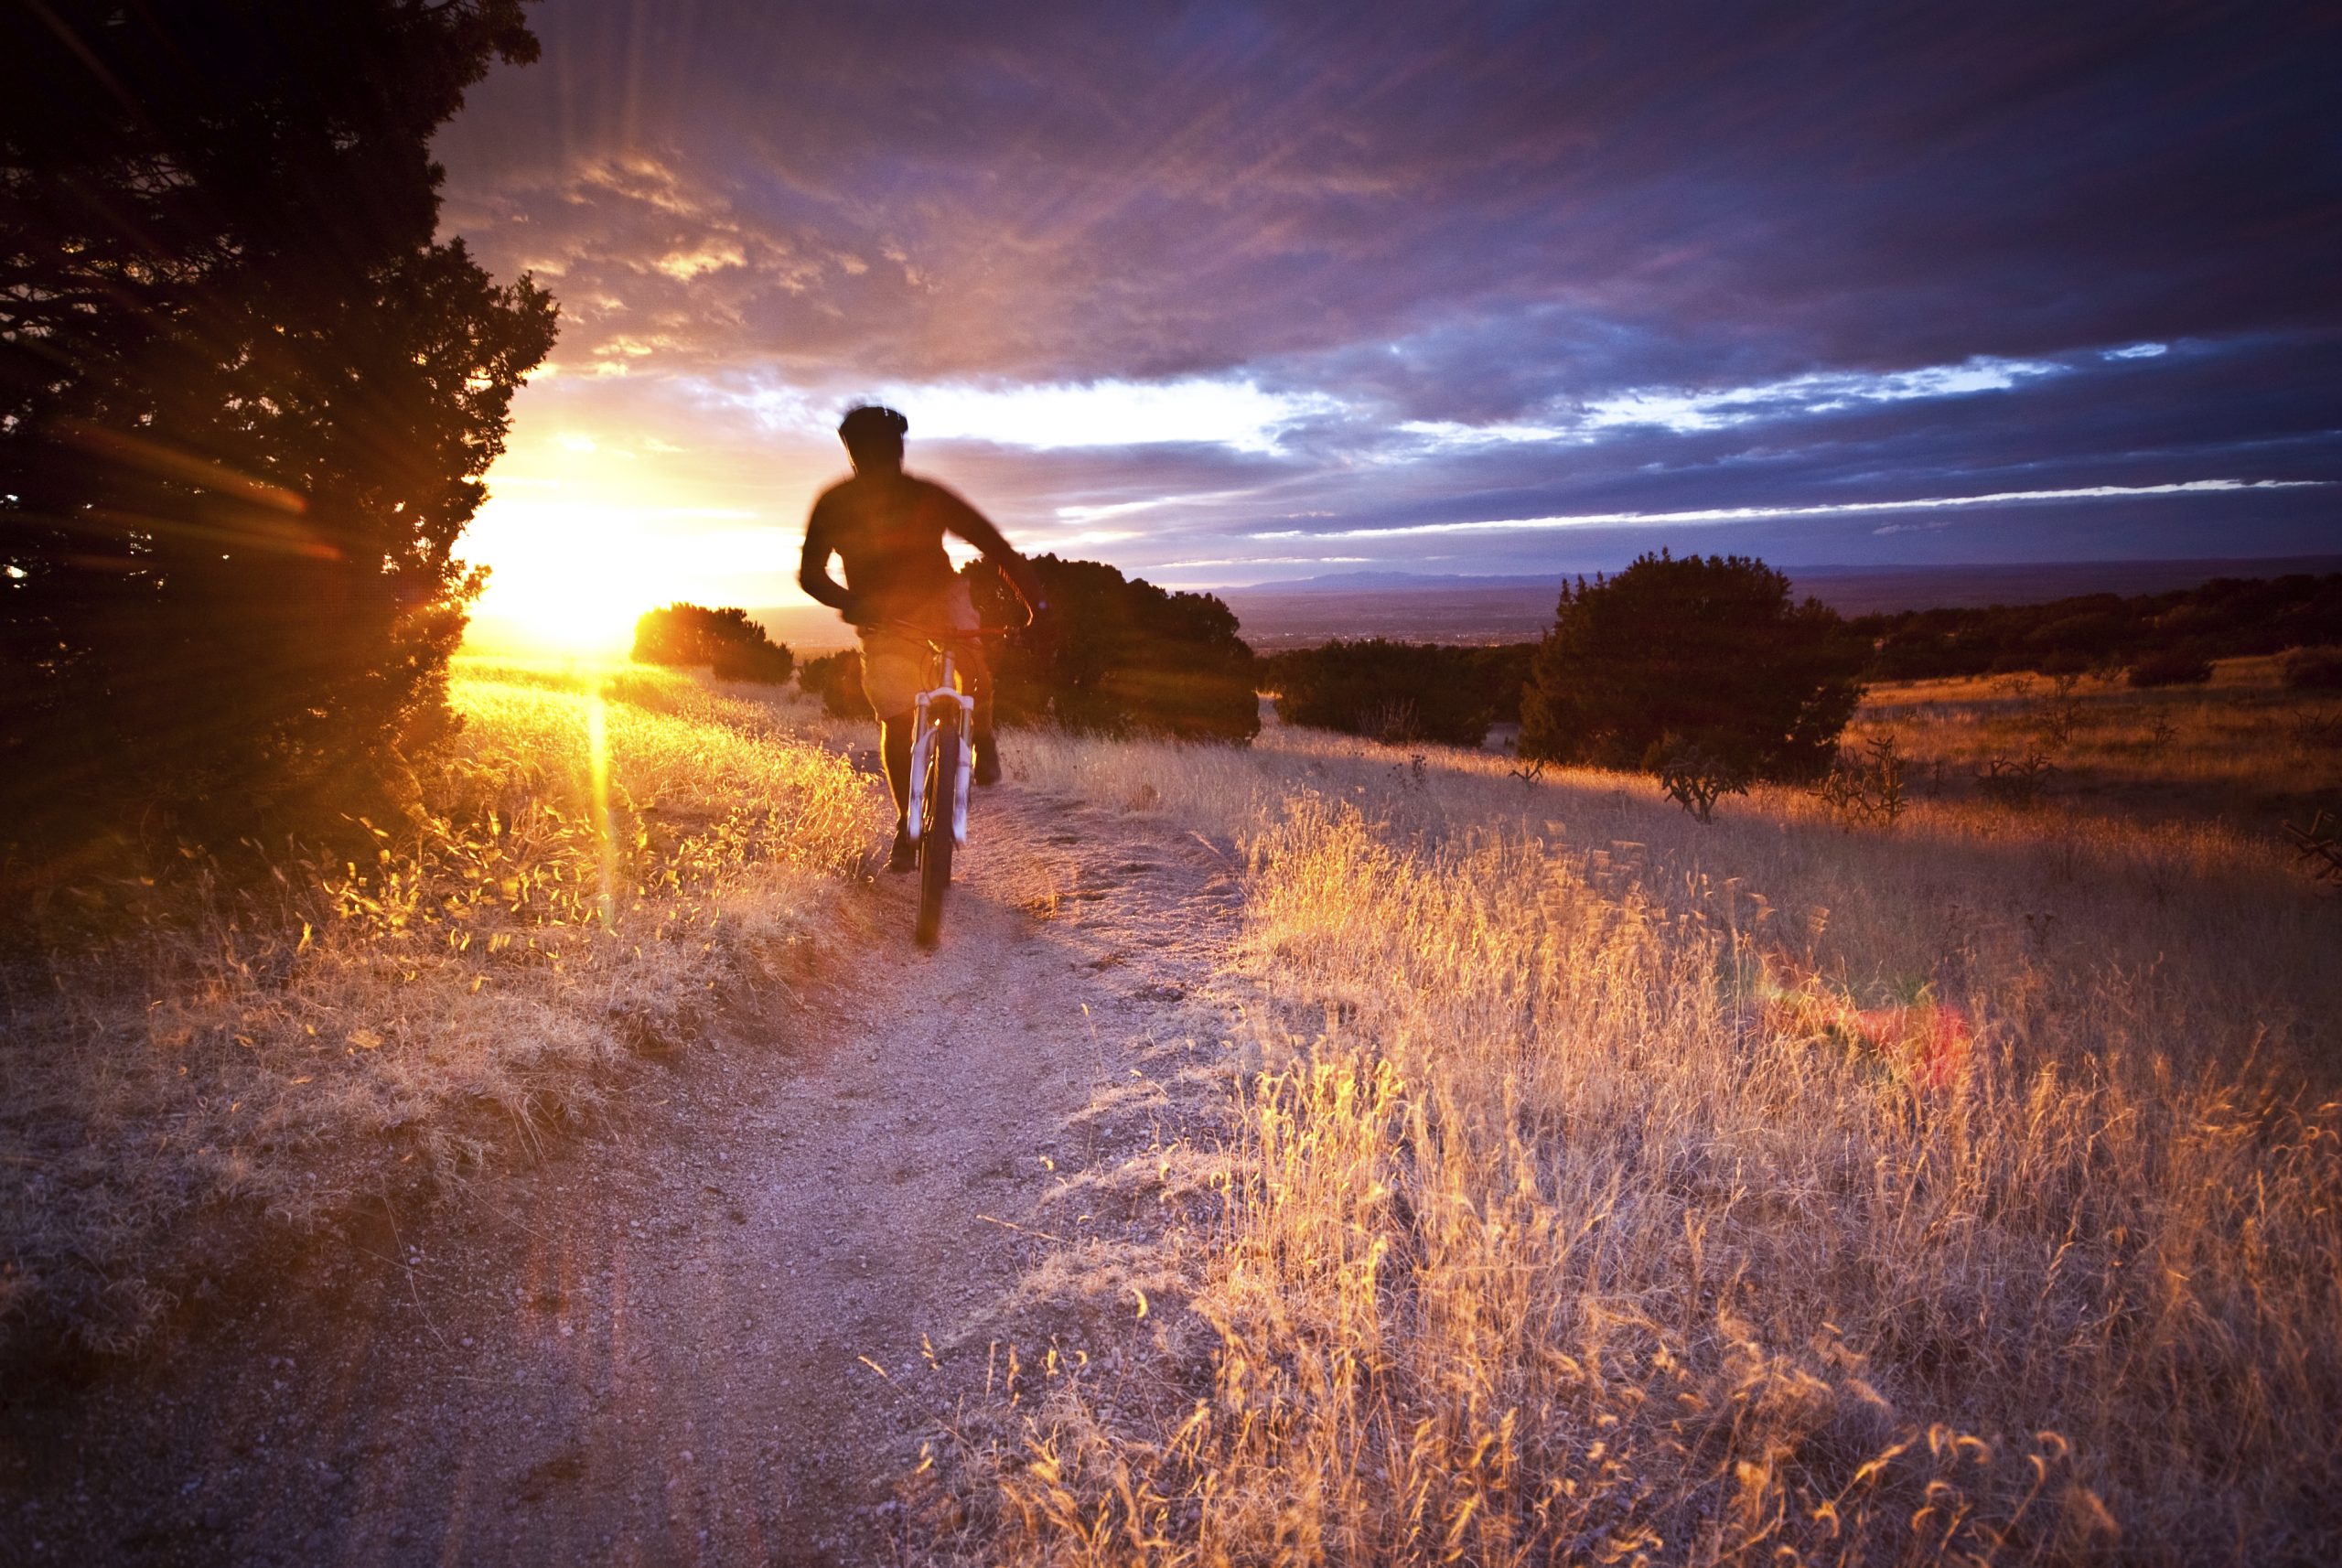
594	862
2242	749
1607	1190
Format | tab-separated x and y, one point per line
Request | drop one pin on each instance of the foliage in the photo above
1706	653
245	403
836	679
2172	667
1120	655
733	647
2227	617
1399	692
2314	668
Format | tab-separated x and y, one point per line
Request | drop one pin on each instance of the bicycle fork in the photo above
923	748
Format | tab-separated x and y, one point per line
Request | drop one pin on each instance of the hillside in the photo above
1421	609
1396	1150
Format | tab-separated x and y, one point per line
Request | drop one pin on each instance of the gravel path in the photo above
721	1332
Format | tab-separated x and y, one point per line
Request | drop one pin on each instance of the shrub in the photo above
1392	692
2173	667
836	679
2314	668
731	645
1119	655
1708	652
1692	777
264	397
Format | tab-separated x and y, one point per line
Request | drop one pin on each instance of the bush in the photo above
249	404
836	679
2173	667
731	645
2314	668
1395	691
1119	655
1704	655
2227	618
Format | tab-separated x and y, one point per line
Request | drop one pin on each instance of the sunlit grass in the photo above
1609	1189
599	856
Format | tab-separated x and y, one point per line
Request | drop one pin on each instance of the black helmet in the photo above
865	421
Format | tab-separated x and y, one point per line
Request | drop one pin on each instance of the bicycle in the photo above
942	757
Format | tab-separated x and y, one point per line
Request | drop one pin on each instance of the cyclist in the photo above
887	528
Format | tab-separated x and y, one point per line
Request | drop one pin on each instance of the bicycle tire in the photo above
935	835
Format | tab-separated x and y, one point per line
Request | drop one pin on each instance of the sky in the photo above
1233	294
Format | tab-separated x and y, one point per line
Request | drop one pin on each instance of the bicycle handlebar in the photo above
935	636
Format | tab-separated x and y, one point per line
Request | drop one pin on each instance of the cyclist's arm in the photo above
813	571
977	529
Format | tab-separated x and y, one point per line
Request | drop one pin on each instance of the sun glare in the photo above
584	532
568	590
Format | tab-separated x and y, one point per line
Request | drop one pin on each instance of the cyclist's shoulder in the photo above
925	489
937	499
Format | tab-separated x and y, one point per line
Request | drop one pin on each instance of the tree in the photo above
245	402
1702	656
1120	655
731	645
1395	691
836	679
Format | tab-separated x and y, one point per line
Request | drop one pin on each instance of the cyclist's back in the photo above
888	531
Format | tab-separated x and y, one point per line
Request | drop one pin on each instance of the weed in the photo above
1694	778
2016	782
2319	847
1867	785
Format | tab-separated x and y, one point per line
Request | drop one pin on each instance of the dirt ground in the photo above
723	1329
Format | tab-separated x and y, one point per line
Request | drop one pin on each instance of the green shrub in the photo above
2172	667
250	403
1119	655
2314	668
836	679
1702	656
1394	691
731	645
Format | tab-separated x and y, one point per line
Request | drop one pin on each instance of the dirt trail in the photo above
719	1333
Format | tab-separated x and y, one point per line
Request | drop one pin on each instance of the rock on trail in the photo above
720	1331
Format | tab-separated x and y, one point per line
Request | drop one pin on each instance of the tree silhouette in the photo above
1119	654
1704	657
731	645
245	402
1399	692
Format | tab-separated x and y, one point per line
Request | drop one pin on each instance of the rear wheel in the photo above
935	834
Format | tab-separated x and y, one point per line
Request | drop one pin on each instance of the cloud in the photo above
1195	271
1756	513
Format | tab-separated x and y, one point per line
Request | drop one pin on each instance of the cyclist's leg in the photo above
975	665
895	737
893	669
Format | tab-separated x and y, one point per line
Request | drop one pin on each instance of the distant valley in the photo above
1423	608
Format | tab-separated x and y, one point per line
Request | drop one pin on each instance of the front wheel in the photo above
940	808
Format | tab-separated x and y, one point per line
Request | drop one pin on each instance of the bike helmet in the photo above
865	421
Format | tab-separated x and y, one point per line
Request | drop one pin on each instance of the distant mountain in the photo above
1423	607
1371	581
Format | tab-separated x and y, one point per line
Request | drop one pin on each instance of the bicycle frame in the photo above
944	704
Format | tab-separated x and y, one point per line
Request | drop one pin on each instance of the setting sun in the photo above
587	527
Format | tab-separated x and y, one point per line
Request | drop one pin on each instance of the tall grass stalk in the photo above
591	867
1574	1221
